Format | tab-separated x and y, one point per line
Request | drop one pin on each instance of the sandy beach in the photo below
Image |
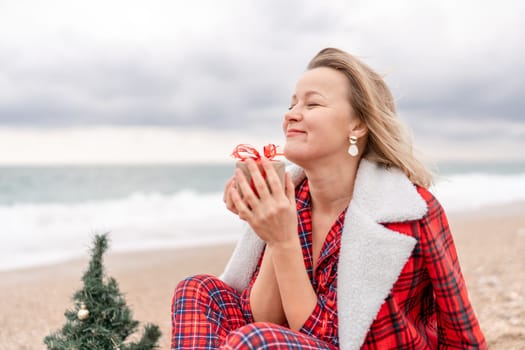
490	244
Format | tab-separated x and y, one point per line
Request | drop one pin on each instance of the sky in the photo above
167	81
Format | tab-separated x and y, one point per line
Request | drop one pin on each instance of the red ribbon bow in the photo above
245	151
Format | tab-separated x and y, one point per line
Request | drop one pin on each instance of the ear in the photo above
359	129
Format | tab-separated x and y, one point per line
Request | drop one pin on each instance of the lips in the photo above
292	132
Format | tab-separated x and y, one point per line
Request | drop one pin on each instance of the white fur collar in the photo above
387	195
371	256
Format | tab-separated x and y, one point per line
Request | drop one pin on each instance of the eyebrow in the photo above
309	93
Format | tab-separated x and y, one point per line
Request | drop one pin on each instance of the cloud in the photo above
234	65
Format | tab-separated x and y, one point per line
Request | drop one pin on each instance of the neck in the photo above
331	186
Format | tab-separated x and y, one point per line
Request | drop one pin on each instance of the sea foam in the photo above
33	234
43	233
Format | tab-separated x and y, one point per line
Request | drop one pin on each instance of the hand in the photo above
227	198
272	211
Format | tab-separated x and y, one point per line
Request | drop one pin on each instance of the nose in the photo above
293	115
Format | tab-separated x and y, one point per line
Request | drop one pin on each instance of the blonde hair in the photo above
389	141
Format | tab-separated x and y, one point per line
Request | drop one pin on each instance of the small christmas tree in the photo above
101	319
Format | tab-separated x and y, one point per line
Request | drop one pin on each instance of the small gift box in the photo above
243	152
277	165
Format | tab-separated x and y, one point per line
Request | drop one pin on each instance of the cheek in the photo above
334	135
332	130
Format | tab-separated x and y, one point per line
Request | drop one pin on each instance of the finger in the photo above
230	184
229	201
242	209
258	180
227	187
271	177
248	196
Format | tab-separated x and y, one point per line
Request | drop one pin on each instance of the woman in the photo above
352	253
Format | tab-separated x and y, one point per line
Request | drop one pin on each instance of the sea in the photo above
49	214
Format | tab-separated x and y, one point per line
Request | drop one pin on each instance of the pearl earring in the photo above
353	150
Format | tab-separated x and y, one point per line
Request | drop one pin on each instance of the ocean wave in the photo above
48	232
39	233
467	192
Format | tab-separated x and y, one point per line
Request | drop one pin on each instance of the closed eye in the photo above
310	105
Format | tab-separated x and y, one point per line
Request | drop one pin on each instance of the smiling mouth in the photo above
294	132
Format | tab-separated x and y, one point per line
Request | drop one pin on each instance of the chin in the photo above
296	155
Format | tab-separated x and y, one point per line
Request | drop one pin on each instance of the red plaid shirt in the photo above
428	306
322	323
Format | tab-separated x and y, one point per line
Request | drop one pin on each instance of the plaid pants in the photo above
207	314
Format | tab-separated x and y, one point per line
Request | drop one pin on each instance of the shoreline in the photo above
496	210
490	244
170	246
